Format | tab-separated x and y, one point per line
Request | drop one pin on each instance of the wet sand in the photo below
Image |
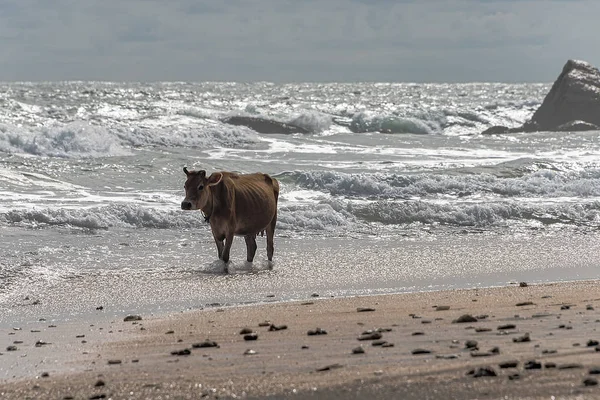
544	333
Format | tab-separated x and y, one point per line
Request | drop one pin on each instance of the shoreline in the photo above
133	359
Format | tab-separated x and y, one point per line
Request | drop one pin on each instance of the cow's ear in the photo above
202	173
215	178
186	171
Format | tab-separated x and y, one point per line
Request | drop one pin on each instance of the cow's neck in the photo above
207	210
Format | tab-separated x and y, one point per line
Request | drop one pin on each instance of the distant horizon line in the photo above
269	82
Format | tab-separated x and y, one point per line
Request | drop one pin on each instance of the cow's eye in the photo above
200	187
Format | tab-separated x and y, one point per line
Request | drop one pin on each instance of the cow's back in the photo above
254	201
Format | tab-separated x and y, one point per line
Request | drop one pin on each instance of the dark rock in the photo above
365	309
565	307
265	323
594	371
45	375
370	336
184	352
577	126
114	362
417	333
496	130
509	364
482	371
550	365
317	331
262	125
442	308
533	365
525	303
132	318
589	307
590	381
169	332
549	351
464	319
420	351
330	367
522	339
482	354
100	308
523	284
575	95
507	326
387	344
274	327
205	344
245	331
11	348
570	366
471	344
41	343
251	336
358	350
99	383
482	329
592	343
514	377
447	356
379	342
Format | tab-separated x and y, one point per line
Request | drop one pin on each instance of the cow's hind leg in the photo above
270	235
227	247
250	247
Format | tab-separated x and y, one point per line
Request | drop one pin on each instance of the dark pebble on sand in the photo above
114	362
370	336
525	303
387	344
100	308
447	356
314	295
464	319
565	307
132	318
550	365
169	332
364	309
184	352
514	377
523	284
265	323
589	307
304	347
549	351
442	308
273	327
482	371
245	331
205	344
358	350
471	344
11	348
420	351
532	364
479	330
417	333
317	331
509	364
507	326
45	375
251	336
570	366
79	336
594	371
482	354
329	367
522	339
592	343
379	342
590	382
99	383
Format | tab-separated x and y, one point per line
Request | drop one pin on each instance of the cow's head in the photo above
197	188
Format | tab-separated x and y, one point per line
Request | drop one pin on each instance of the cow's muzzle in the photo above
186	205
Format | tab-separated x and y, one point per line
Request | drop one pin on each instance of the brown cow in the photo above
234	204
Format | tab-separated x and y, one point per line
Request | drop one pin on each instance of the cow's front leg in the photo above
228	243
219	247
250	247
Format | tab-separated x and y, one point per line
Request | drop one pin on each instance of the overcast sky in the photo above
296	40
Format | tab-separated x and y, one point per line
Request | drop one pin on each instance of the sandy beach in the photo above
532	342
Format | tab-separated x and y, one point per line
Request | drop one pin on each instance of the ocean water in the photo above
389	188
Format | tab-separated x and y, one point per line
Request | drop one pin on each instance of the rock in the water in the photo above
575	96
262	125
577	126
496	130
482	371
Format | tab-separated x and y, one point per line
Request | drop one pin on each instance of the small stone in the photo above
100	308
548	351
205	344
533	365
314	295
471	344
420	351
522	339
483	371
251	336
509	364
370	336
590	382
417	333
570	366
45	375
594	371
387	344
265	323
514	377
184	352
364	309
304	347
523	284
565	307
442	308
447	356
550	365
329	367
589	307
245	331
379	342
132	318
479	330
592	343
99	383
482	354
506	327
273	327
317	331
358	350
79	336
464	319
169	332
11	348
525	303
114	362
